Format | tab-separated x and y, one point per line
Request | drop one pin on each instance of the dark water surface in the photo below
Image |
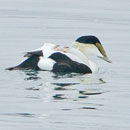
41	100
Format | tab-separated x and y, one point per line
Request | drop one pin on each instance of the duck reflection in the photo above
91	108
70	88
92	80
79	92
91	92
64	84
65	75
32	75
59	97
20	114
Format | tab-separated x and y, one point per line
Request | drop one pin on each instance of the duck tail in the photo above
14	68
29	63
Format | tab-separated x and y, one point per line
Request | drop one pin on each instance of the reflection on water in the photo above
66	109
20	114
91	92
59	97
65	75
32	78
58	85
92	80
31	75
48	93
33	89
73	88
82	96
65	84
33	96
60	88
91	108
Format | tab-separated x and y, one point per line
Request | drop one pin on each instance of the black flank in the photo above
65	64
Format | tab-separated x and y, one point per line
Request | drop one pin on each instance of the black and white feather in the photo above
57	58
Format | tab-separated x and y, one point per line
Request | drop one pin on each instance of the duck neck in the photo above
82	48
93	66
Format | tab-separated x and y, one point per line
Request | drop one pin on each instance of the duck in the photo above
65	59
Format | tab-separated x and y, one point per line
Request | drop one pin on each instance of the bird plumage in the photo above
58	58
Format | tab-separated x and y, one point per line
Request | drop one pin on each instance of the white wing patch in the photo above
46	63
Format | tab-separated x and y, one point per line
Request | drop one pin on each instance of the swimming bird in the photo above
56	58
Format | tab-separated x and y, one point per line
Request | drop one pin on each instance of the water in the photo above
44	101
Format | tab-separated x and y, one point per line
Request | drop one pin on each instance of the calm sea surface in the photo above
44	101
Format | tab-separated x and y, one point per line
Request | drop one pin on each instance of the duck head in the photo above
90	45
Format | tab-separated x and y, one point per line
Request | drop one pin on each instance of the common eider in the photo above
56	58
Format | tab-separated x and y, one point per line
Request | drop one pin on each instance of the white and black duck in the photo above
56	58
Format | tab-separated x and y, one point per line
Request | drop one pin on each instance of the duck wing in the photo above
34	53
65	64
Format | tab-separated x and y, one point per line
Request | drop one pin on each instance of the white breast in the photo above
93	66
